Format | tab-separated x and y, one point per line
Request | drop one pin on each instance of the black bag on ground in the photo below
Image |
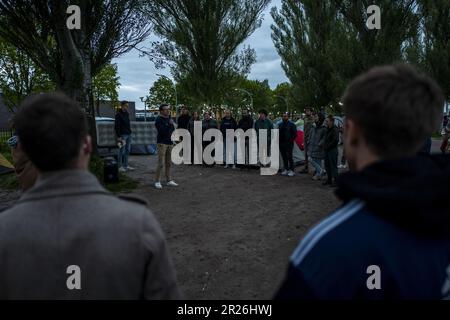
110	171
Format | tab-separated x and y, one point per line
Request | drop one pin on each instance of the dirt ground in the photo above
231	232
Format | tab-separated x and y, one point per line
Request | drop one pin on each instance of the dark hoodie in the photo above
414	194
396	216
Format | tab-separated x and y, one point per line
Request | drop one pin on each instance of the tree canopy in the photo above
325	44
19	76
106	85
162	91
201	41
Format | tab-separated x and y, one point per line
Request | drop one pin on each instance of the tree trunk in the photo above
76	80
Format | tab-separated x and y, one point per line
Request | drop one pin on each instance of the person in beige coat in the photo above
69	238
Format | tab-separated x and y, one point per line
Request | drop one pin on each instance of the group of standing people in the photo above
320	134
321	140
321	147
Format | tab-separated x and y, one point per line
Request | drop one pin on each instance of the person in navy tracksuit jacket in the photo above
391	237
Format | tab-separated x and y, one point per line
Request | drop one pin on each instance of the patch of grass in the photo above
125	184
9	182
437	135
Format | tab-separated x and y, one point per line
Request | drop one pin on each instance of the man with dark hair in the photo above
183	119
264	123
67	237
246	123
123	133
165	126
391	237
228	123
331	151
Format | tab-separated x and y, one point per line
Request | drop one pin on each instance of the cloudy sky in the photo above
137	74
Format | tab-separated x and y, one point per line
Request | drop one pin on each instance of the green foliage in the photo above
435	24
238	97
19	76
7	181
284	99
125	183
201	40
301	33
162	91
325	44
106	85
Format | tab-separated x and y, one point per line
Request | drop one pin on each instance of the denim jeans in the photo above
124	152
317	164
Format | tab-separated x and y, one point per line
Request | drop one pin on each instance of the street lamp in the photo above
249	94
145	107
174	88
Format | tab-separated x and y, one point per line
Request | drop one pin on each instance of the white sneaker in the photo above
122	170
172	183
285	173
158	185
316	177
130	168
226	167
291	173
234	167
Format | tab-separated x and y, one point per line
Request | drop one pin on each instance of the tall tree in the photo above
435	25
162	91
19	76
301	33
399	29
202	38
106	86
324	44
109	28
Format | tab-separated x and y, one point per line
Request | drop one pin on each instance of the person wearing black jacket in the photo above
246	123
287	135
183	119
331	151
122	127
165	126
228	123
390	239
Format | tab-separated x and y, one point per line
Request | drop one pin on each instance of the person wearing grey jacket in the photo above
69	238
316	145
